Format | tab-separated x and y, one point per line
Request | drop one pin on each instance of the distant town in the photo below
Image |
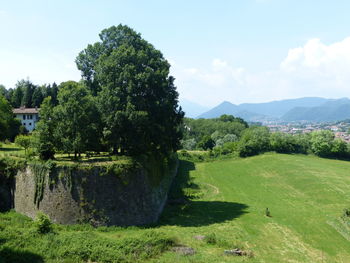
341	129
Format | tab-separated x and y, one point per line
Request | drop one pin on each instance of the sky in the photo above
224	50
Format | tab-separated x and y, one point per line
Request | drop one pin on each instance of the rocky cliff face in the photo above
92	195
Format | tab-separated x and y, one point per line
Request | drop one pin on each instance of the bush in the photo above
206	143
339	148
189	144
211	239
43	223
255	140
321	143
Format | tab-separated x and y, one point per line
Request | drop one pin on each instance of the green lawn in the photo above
306	196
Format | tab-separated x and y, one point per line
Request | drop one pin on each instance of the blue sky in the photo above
238	50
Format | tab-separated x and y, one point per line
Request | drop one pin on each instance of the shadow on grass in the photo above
10	149
8	255
184	210
202	213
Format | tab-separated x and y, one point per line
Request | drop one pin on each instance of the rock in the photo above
199	237
236	252
185	251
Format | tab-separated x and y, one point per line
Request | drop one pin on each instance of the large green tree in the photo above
77	119
136	95
9	126
44	138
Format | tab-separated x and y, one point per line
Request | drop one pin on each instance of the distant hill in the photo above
192	109
332	110
262	111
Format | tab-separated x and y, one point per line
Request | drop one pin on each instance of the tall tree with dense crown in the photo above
137	97
77	118
43	136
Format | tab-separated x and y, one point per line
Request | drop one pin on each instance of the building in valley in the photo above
28	117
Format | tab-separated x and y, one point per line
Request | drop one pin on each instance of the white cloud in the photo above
314	69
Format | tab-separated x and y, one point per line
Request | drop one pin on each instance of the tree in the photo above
44	140
77	119
206	143
28	89
189	144
17	95
37	98
24	141
9	126
321	143
339	148
254	140
3	91
136	96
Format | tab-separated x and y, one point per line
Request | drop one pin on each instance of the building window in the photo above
30	124
24	117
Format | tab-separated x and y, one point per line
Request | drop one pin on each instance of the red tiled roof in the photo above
23	110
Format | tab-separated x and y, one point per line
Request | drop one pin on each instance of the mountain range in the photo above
313	109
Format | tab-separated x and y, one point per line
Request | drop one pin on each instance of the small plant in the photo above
346	212
43	223
211	239
267	212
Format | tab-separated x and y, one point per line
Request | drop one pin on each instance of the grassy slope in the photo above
305	194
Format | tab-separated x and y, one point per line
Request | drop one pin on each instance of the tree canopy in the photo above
136	95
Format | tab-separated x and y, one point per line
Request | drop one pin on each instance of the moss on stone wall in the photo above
41	170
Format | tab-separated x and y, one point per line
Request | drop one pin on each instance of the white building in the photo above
28	117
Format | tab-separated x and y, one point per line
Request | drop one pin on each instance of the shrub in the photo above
206	143
346	212
43	223
255	140
211	239
189	144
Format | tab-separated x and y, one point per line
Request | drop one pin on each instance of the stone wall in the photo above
93	196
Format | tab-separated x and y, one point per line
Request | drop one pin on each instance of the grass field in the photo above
305	195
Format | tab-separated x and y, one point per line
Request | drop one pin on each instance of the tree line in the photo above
222	137
26	93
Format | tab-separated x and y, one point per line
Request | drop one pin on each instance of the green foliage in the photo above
211	239
24	141
42	171
136	96
189	144
288	143
324	144
321	143
76	119
10	166
43	223
206	143
217	128
254	140
30	95
64	244
9	126
339	148
44	141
